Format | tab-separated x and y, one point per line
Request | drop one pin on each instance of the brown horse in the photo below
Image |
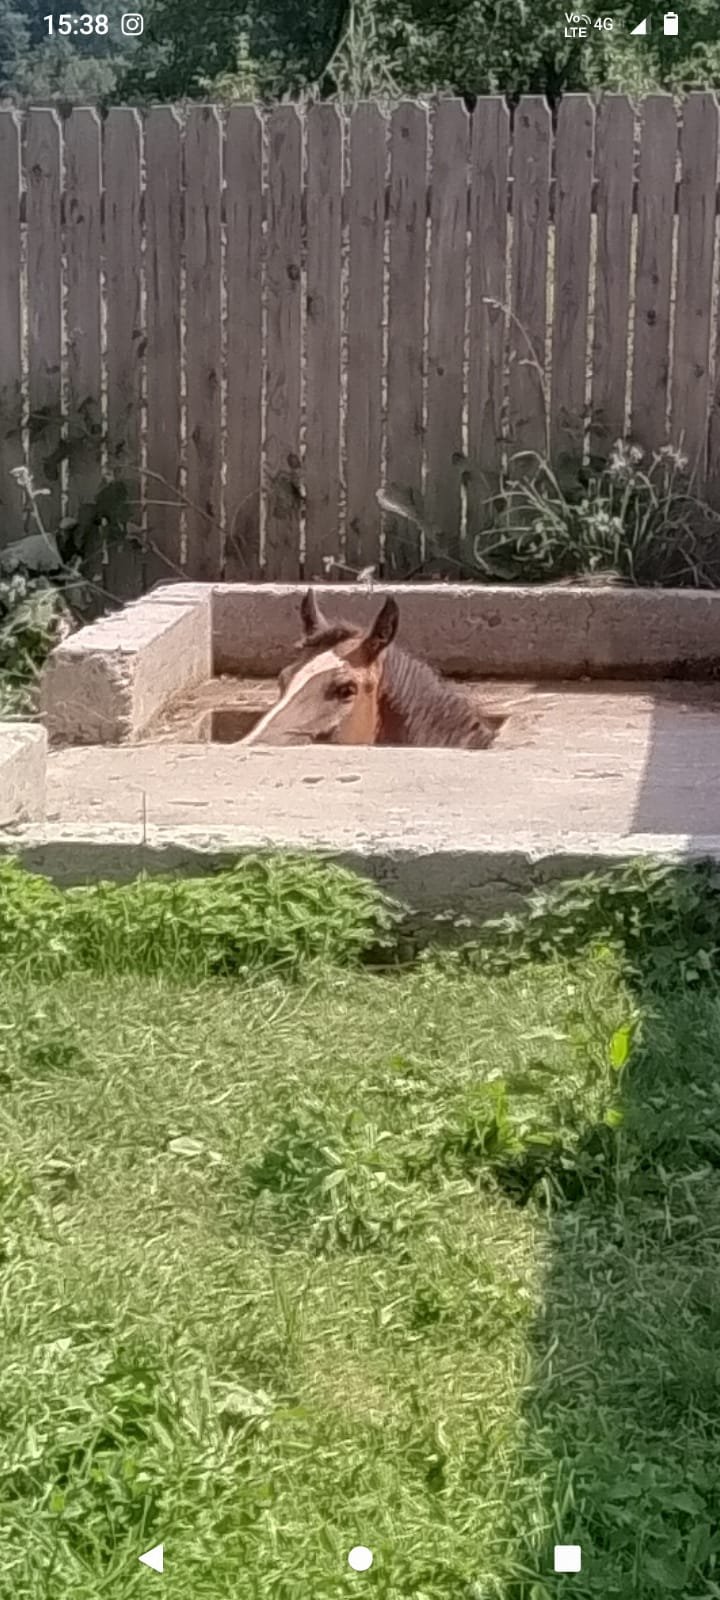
352	685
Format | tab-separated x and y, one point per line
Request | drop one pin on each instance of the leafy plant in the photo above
33	617
623	520
469	47
239	80
640	523
267	911
662	922
340	1186
359	68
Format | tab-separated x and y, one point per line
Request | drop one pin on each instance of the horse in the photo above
354	686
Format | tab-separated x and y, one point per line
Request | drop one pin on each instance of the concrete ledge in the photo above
436	885
104	684
23	753
493	631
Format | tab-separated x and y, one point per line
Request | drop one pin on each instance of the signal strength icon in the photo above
642	27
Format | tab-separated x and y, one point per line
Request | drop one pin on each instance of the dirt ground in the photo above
225	709
612	757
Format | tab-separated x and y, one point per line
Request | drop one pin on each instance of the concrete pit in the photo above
612	748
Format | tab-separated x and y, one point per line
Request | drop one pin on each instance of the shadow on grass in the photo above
621	1419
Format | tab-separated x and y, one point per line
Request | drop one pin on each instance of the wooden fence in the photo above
253	320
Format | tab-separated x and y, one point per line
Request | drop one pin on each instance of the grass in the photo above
266	913
420	1258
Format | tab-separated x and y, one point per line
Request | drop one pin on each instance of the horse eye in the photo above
346	691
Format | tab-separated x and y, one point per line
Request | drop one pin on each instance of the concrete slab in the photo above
23	750
583	776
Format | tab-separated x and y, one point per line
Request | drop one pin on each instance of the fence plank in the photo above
284	350
712	485
324	235
264	384
11	396
44	287
571	275
614	132
123	289
83	242
406	326
366	216
531	177
655	208
203	344
694	286
163	247
487	332
446	322
243	177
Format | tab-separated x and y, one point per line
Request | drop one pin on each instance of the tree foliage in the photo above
416	47
271	48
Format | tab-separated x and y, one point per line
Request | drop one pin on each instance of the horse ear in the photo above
313	620
383	630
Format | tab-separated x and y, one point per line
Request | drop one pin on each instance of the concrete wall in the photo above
106	683
498	631
23	750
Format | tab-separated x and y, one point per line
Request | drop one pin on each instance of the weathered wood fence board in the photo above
44	292
322	346
693	292
253	319
283	355
406	318
203	334
124	337
244	368
614	214
163	210
83	306
571	277
11	362
83	330
655	221
366	204
488	301
446	320
528	423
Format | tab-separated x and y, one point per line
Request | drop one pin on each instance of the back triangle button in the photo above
153	1558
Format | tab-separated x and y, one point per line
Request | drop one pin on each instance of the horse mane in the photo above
417	706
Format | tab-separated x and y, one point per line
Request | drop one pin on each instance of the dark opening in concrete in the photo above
226	724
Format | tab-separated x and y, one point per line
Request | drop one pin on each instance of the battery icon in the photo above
670	22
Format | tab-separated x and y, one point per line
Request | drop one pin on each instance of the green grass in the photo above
422	1258
266	912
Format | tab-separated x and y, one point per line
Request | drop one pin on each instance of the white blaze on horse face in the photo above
281	712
